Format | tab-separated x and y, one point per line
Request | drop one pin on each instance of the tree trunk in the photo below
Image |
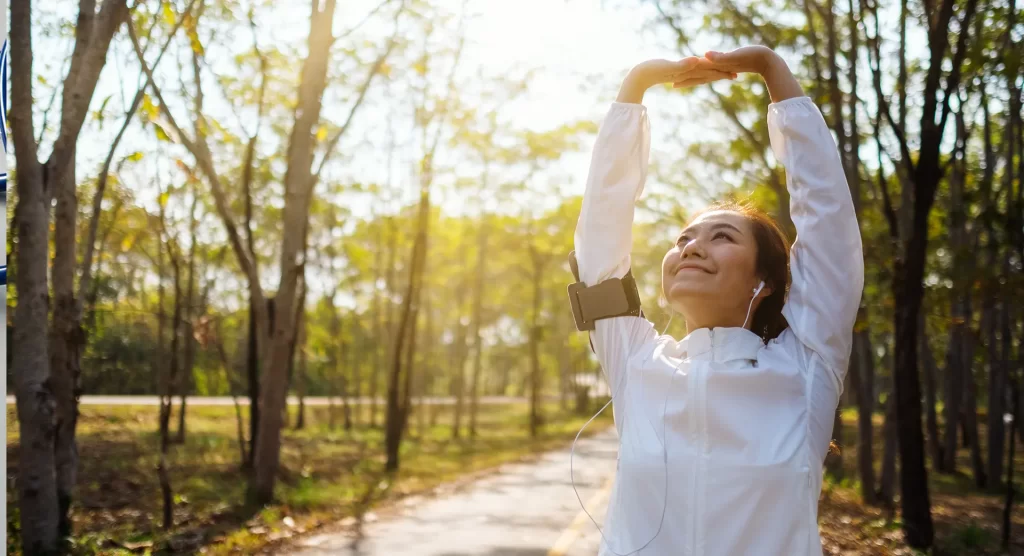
971	414
996	398
535	339
459	376
65	373
300	380
478	294
929	367
347	362
427	374
908	278
887	478
252	375
865	411
1008	506
190	314
390	325
36	404
378	330
46	377
908	291
954	391
298	182
834	461
397	411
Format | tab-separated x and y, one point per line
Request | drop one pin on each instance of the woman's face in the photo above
709	274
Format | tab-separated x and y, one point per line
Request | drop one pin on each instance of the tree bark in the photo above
298	183
390	325
929	367
1008	506
46	376
459	374
397	402
954	390
189	315
907	285
252	368
865	412
478	294
971	414
887	478
300	380
535	339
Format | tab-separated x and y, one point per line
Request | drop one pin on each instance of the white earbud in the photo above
758	289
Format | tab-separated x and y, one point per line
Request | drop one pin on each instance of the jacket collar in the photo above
720	344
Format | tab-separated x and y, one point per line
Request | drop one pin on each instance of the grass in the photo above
327	474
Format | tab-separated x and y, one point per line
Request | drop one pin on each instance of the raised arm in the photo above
826	262
618	170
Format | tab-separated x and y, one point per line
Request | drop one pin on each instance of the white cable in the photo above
757	290
664	447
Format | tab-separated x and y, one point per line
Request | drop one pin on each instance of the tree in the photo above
400	384
46	374
274	336
925	174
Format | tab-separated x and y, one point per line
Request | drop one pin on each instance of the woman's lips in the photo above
692	267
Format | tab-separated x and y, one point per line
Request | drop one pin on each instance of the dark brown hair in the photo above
772	266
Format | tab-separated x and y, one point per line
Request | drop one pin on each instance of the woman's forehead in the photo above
713	217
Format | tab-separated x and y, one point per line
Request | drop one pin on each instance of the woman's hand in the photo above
763	61
748	59
687	72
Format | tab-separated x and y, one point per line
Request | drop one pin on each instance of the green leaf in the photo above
148	108
160	133
103	105
168	14
135	156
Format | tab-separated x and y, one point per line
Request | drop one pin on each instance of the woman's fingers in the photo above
743	59
708	77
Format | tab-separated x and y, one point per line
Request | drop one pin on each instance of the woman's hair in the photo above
772	266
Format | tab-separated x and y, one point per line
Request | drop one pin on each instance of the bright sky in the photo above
581	49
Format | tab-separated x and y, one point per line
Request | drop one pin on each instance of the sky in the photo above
579	50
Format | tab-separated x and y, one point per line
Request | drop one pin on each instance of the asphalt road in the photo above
525	509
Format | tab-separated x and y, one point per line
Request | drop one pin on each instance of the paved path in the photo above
525	509
292	400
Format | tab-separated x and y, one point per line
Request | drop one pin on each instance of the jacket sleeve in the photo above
604	232
826	261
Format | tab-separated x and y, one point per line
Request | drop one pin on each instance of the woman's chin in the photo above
687	289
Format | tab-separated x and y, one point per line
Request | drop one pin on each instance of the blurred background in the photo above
277	266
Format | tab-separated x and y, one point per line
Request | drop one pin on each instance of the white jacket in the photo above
746	425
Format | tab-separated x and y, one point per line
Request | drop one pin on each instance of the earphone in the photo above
757	291
664	440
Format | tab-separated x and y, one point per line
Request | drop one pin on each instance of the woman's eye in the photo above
724	235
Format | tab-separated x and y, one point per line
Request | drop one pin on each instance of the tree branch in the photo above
374	70
84	286
203	158
86	64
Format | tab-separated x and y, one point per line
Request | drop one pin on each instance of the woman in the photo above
723	434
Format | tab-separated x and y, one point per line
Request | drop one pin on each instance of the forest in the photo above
350	224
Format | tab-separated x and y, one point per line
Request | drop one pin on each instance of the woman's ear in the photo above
762	290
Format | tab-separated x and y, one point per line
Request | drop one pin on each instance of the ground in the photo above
450	493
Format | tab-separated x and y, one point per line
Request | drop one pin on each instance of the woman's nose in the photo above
691	248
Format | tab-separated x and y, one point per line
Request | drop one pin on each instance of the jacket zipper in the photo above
699	464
